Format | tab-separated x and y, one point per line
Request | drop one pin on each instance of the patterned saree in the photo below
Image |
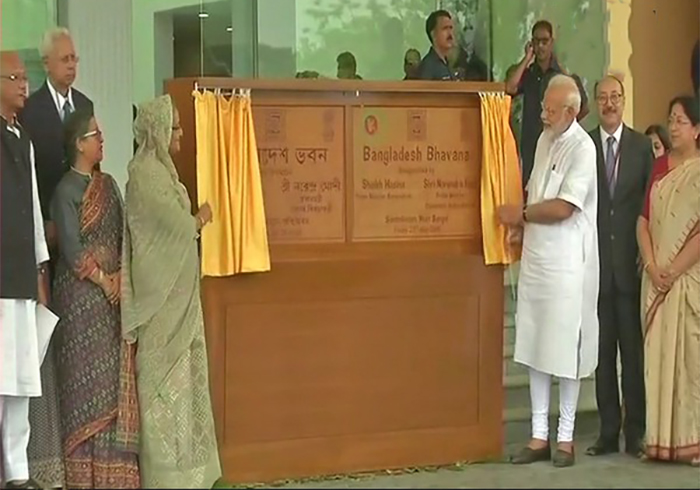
95	366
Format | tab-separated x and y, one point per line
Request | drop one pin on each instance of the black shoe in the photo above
563	459
635	448
528	455
603	447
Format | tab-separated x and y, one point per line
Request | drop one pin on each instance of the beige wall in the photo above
662	35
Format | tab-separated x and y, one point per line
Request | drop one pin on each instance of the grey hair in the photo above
573	96
50	38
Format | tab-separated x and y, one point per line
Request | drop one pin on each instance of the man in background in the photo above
23	276
347	66
411	64
46	109
440	31
530	78
625	159
556	321
43	117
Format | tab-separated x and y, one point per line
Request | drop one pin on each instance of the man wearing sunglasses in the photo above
530	78
23	279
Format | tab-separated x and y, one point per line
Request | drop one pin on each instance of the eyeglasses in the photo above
615	98
541	40
91	134
15	78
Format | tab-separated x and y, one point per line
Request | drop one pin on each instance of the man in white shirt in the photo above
43	117
23	279
556	317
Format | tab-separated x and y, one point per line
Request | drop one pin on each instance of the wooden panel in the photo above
325	358
416	172
355	355
337	368
303	173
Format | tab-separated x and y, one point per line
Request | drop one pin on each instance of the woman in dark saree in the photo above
96	378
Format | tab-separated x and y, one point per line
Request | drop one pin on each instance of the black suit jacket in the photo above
42	121
617	217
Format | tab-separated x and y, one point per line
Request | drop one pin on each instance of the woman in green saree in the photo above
161	310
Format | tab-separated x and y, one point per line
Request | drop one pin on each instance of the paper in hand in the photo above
46	322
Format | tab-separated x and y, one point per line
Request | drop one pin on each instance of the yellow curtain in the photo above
500	176
228	178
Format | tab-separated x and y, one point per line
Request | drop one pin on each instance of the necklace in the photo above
80	172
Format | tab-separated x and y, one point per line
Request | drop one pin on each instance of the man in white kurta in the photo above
556	316
22	342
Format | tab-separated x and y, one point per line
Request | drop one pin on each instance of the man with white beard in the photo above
556	317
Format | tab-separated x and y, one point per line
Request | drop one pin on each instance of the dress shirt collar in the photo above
11	126
59	99
617	135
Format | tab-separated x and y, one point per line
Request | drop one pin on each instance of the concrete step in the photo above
509	331
510	367
510	274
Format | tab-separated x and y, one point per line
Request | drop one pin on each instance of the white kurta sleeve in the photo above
41	249
579	177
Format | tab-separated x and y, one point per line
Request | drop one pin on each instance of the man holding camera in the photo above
530	78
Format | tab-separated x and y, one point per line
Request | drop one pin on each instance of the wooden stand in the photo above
376	340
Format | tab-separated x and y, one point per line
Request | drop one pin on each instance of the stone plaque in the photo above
416	173
301	153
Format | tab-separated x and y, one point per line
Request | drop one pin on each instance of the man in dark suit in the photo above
43	117
625	159
45	111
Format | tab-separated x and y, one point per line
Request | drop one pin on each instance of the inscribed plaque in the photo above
301	153
416	173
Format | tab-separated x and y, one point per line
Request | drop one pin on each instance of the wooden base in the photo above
376	341
343	366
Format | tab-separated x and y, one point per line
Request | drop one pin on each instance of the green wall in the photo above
22	25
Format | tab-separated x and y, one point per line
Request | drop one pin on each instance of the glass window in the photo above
23	25
373	35
366	39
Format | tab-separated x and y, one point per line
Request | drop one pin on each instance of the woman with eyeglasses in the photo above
668	232
96	377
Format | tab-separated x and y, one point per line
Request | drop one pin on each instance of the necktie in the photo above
67	110
610	158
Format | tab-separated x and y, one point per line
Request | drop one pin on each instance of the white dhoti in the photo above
25	331
540	386
14	426
24	338
556	315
